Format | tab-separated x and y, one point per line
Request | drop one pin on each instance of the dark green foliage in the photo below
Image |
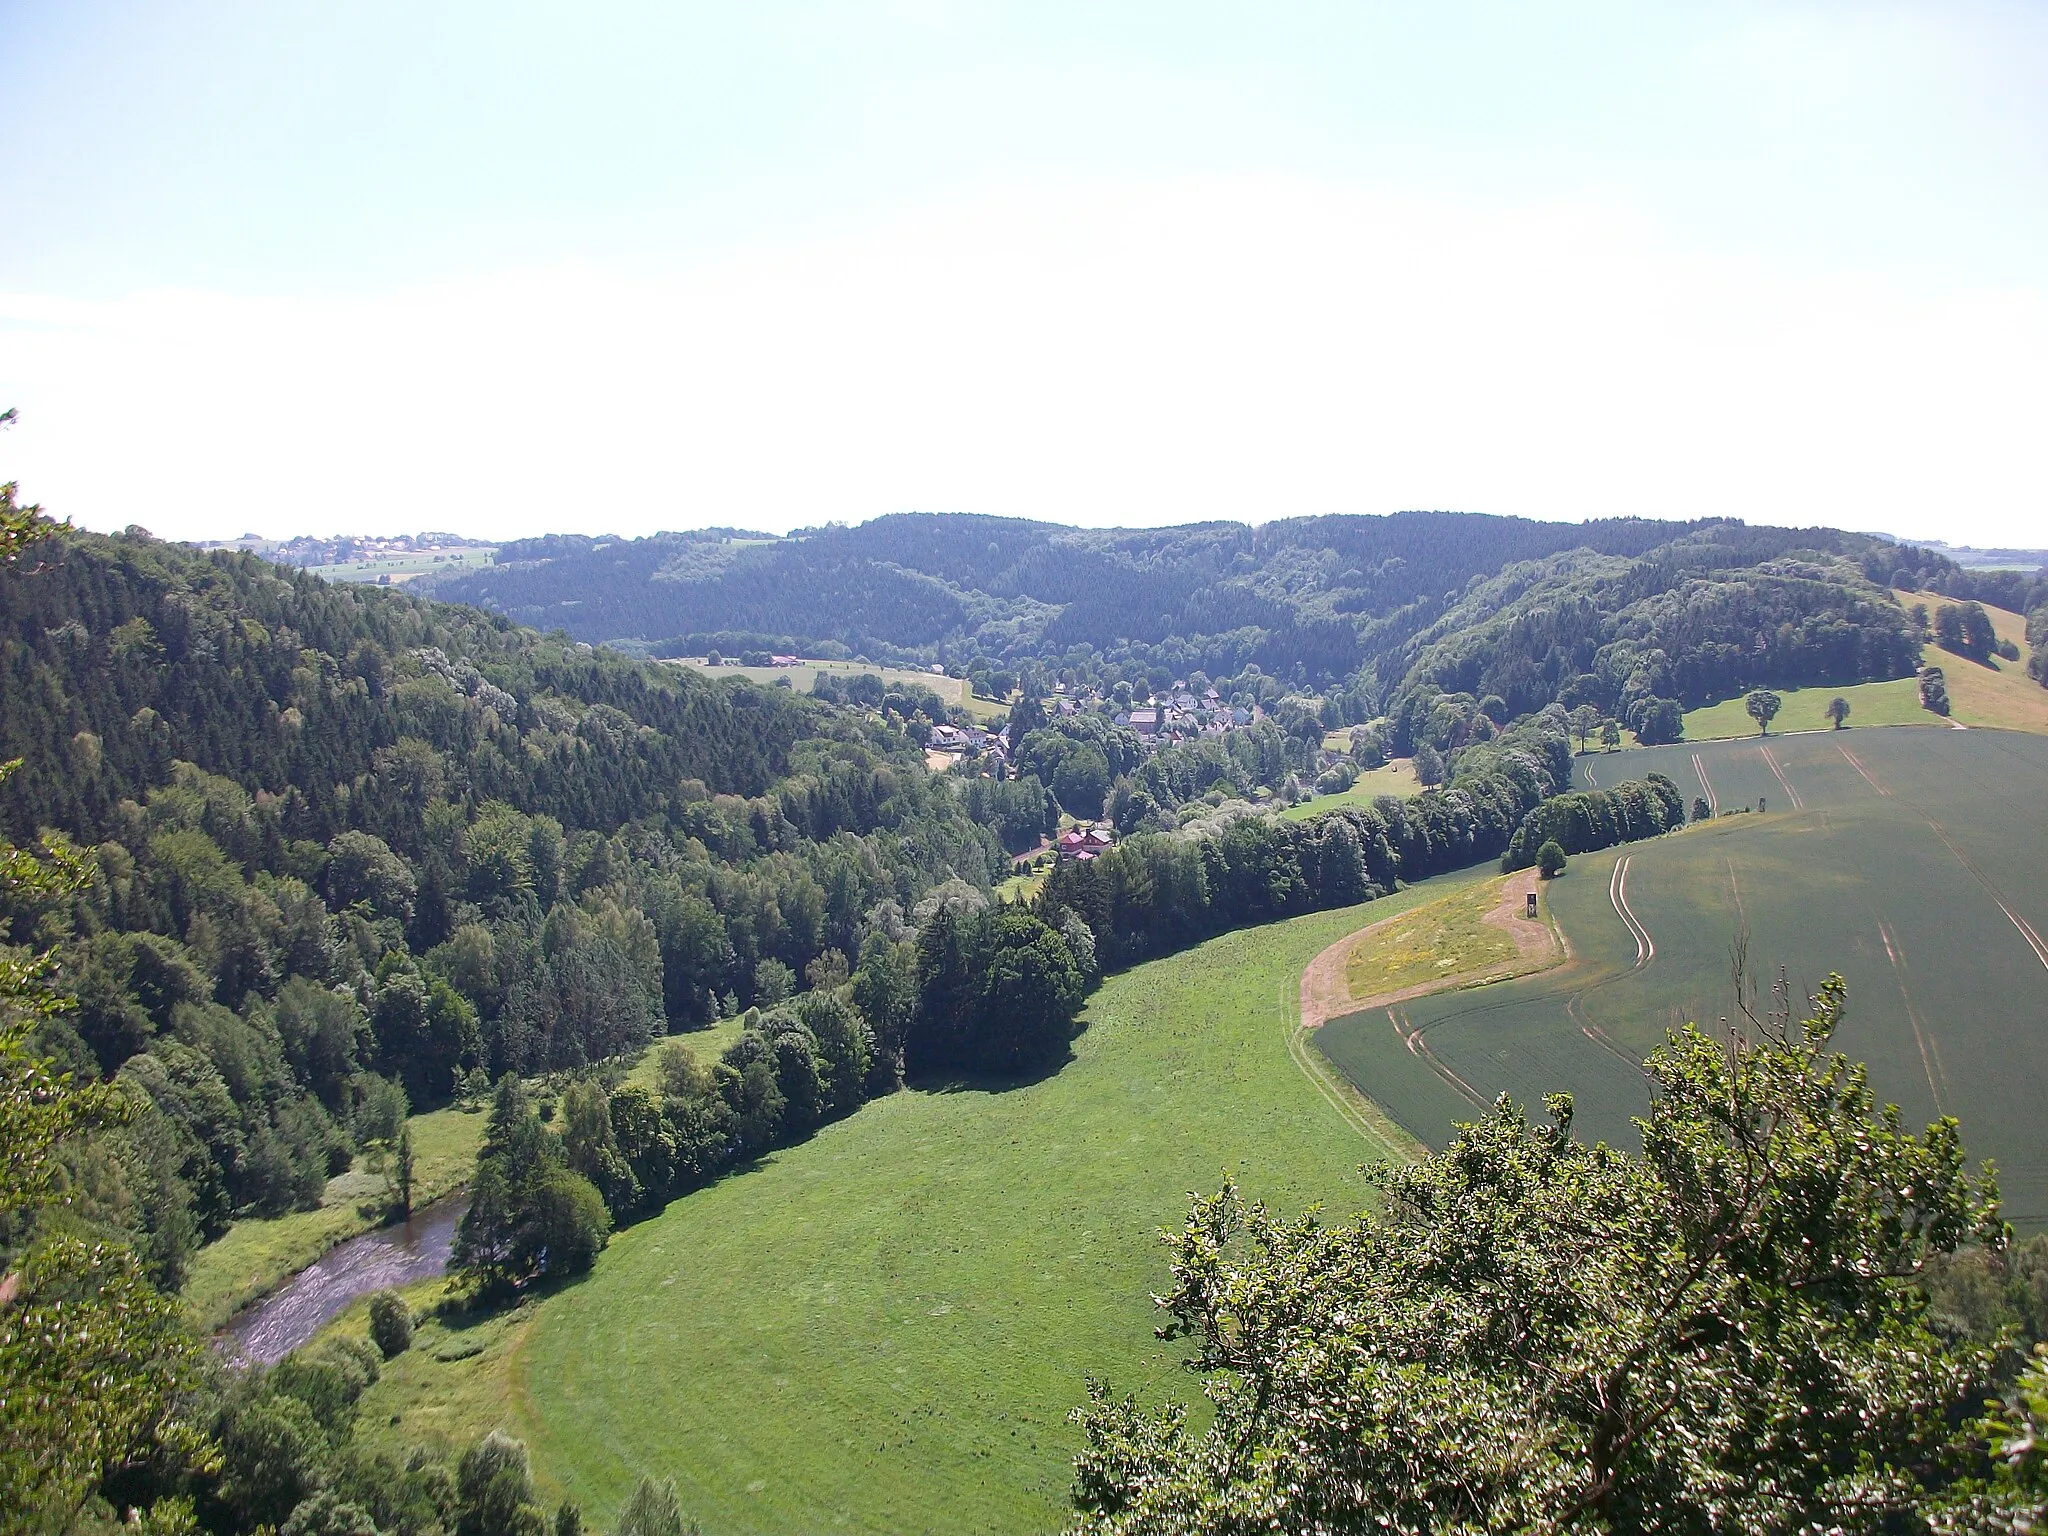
529	1213
390	1324
1933	690
1589	819
1701	810
1762	706
1838	712
1965	629
1550	859
1721	1331
997	993
1157	892
1286	594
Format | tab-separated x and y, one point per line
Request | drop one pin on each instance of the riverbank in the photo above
257	1255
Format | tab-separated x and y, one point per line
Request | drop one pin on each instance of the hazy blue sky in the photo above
505	268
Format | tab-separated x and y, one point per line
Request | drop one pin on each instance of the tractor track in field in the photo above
1324	994
2030	935
1930	1059
1790	793
1699	767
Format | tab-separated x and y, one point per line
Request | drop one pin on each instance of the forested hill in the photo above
1384	608
1311	591
351	705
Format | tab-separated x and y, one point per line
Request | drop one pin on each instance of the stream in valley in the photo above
399	1254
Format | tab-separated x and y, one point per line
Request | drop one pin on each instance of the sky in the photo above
505	269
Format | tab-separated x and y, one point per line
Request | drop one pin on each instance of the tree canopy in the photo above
1721	1331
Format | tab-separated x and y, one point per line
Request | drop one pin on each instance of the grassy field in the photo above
1910	861
404	567
1442	938
1998	694
254	1256
884	1328
1396	778
1805	709
954	690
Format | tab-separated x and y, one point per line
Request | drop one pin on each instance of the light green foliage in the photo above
1535	1334
93	1361
494	1487
390	1324
1550	859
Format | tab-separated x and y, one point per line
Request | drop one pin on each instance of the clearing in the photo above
1394	778
953	690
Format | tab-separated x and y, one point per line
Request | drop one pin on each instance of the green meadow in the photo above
1909	861
884	1328
1806	709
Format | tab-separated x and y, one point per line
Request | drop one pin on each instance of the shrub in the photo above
1550	859
390	1324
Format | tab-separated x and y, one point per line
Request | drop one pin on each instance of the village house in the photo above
1082	843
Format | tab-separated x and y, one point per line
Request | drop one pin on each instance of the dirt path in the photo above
1324	994
1538	945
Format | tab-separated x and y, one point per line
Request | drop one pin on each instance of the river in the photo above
406	1251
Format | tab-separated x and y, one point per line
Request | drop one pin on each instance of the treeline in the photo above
1157	892
975	990
1589	819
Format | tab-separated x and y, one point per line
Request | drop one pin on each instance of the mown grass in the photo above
256	1255
1395	778
884	1328
1805	709
1441	938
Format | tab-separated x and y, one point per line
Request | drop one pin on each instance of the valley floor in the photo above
885	1327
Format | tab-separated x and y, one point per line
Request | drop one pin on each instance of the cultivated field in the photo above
406	566
1910	861
884	1328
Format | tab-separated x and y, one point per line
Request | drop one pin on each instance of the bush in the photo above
390	1324
1550	859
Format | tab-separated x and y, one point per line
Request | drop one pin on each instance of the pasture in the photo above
953	690
1805	709
1394	778
1910	861
885	1327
